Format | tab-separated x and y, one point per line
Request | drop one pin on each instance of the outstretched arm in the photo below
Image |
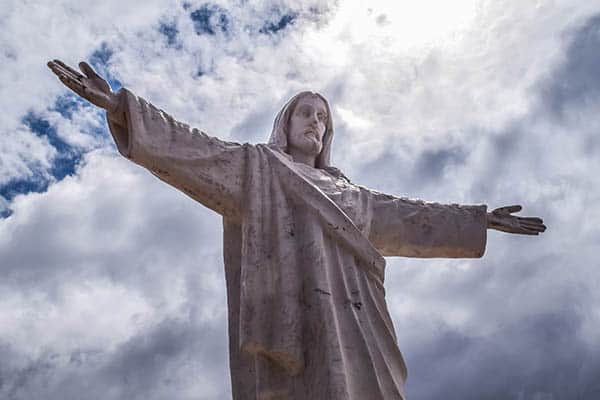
205	168
414	228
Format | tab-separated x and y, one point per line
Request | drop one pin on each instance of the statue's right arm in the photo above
415	228
207	169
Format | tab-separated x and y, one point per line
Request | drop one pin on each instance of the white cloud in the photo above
431	100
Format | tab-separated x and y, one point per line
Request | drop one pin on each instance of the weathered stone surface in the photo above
303	245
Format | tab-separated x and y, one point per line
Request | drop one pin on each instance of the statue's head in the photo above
305	124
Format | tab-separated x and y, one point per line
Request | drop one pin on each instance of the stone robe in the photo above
303	253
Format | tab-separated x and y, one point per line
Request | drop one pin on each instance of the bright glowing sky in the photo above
112	283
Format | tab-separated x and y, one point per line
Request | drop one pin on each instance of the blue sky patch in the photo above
67	156
42	128
101	57
274	27
66	104
170	32
209	19
34	184
64	163
99	60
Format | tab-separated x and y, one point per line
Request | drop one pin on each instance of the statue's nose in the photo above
314	121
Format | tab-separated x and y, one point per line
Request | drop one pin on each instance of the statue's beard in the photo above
316	147
310	147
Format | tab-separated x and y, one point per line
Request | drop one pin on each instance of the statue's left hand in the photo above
88	85
502	220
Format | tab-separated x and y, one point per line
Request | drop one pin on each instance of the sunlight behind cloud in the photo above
405	24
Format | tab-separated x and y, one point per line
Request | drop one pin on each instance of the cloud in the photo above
169	357
576	82
88	270
113	282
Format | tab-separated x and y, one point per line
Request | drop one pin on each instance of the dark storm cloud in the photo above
503	147
567	96
540	345
156	363
577	81
414	172
159	360
540	355
541	308
431	163
163	359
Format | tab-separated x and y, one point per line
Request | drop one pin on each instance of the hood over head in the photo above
279	135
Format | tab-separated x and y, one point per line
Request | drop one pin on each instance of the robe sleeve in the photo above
205	168
414	228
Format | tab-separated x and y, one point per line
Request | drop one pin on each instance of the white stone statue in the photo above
303	245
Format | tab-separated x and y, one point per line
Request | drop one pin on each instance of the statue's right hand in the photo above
90	86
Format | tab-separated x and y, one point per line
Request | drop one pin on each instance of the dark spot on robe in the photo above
321	291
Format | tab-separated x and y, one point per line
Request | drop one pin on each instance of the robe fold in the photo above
303	252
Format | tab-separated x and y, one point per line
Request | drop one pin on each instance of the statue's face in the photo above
307	126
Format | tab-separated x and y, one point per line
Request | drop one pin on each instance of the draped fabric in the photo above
302	251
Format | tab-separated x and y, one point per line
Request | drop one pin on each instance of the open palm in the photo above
88	85
502	220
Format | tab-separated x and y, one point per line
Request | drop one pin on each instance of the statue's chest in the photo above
347	196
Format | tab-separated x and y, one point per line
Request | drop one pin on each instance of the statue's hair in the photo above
279	135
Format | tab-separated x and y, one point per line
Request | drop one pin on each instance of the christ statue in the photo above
303	246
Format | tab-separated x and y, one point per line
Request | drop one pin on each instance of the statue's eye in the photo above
322	117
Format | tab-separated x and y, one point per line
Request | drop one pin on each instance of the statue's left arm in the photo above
206	168
414	228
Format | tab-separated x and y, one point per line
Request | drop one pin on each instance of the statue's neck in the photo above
303	158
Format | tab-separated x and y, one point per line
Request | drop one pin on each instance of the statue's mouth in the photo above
312	133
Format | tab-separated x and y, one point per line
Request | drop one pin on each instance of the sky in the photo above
112	283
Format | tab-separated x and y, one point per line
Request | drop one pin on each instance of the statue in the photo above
303	245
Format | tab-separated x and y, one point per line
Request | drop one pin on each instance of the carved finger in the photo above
538	225
534	224
537	222
73	84
71	70
526	231
532	219
57	69
88	70
533	233
508	209
61	71
507	229
537	228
